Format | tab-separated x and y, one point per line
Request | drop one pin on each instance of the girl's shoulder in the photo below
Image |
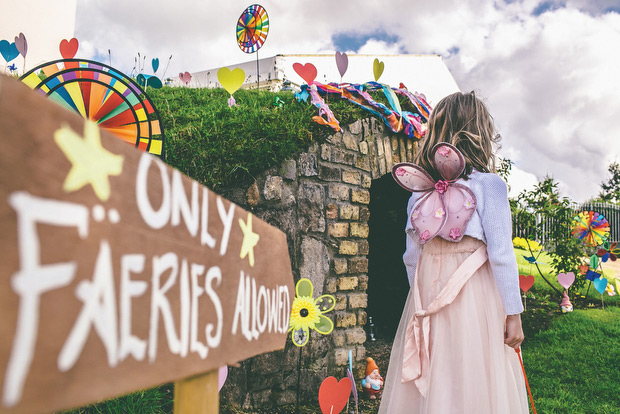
487	183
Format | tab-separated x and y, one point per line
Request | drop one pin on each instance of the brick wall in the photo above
320	200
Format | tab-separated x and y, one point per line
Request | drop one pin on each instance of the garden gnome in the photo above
373	382
566	305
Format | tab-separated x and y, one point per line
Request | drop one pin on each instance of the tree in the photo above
611	188
547	217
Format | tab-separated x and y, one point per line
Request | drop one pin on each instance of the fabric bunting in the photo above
394	117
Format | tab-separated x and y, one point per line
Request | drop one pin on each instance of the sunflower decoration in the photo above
308	313
591	227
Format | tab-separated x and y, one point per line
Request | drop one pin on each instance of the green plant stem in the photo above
539	271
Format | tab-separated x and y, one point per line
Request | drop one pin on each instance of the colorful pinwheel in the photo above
591	227
609	252
102	94
308	313
252	28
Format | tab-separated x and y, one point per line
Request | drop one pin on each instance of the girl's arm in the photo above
497	225
413	247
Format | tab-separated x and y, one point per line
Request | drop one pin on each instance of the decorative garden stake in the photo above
252	30
308	313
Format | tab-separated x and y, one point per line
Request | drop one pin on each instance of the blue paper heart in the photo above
8	50
600	285
149	80
155	63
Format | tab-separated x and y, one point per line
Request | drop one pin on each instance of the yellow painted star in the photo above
91	163
250	239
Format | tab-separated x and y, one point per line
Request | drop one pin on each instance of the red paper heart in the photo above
334	395
307	71
526	282
68	48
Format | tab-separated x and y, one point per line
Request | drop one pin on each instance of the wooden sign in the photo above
118	273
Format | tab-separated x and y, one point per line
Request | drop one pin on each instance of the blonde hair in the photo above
463	120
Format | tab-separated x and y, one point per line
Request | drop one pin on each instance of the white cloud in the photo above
551	81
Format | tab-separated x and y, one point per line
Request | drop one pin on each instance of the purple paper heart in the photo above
342	61
22	44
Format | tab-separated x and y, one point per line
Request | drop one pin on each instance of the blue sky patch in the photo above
354	41
546	6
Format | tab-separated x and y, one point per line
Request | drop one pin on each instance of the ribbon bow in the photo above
446	207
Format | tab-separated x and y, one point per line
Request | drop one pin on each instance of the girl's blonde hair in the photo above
463	120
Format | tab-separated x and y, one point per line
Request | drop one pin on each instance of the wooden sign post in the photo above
119	273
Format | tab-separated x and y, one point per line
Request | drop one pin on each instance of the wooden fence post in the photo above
197	395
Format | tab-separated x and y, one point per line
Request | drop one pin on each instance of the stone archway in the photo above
322	200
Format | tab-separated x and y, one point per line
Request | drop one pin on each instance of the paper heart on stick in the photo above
526	282
231	80
600	284
8	50
185	77
566	279
334	394
377	69
68	48
155	64
21	44
342	61
307	71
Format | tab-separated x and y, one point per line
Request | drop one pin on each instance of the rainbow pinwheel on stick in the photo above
446	207
591	227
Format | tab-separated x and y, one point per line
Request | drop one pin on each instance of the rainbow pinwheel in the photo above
591	227
102	94
308	313
252	28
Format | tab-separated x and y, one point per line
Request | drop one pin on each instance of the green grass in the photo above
158	400
220	146
572	366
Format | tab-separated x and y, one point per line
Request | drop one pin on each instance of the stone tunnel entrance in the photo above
387	278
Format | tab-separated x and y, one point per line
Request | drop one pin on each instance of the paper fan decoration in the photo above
252	28
591	227
104	95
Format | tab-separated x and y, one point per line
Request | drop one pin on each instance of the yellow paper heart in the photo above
377	69
231	80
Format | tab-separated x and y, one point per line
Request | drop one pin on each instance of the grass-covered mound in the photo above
219	145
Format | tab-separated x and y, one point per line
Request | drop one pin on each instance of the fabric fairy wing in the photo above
411	177
449	161
460	204
429	216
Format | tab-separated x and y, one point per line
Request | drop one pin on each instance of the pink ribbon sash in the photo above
416	353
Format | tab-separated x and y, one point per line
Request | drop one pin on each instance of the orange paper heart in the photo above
334	395
526	282
68	48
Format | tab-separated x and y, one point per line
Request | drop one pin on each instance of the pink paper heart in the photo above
185	77
21	44
68	48
526	282
342	61
307	71
566	279
334	394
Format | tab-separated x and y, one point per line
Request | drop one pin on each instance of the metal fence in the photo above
610	211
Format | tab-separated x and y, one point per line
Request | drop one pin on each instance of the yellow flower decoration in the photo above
307	313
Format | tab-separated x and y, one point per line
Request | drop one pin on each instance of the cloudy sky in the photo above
548	70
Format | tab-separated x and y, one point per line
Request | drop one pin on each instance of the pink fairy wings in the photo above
446	207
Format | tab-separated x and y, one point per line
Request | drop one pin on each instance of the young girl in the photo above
453	351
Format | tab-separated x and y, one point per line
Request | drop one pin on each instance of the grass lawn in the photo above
572	366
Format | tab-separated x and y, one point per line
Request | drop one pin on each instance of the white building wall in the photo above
426	74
